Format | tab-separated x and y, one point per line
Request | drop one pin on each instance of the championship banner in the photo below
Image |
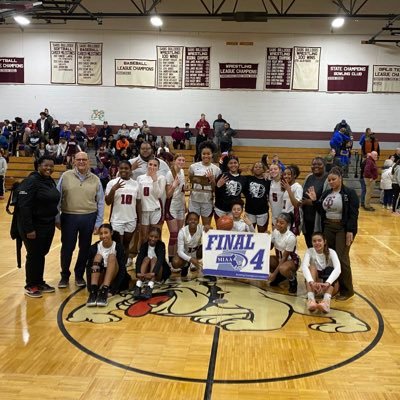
169	67
12	70
135	73
236	254
238	76
63	62
386	79
197	67
278	68
90	58
306	68
347	78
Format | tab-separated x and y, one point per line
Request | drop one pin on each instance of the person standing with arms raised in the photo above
82	209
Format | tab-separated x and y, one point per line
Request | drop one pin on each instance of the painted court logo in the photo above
246	307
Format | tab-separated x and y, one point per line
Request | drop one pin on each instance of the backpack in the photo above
13	202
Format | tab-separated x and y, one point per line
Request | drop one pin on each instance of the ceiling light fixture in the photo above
156	21
21	20
337	22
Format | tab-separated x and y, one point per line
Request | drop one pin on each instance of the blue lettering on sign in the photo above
231	261
230	242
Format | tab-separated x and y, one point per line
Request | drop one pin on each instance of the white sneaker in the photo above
128	262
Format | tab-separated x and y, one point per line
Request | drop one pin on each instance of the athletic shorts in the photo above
260	220
151	217
175	214
203	209
325	274
122	227
220	213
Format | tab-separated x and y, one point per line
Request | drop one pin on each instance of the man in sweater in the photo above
370	176
82	209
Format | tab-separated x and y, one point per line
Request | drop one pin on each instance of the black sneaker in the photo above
279	278
102	297
45	288
137	293
64	282
92	300
33	291
147	292
80	282
293	285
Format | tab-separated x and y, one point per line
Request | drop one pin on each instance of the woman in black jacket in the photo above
36	210
338	207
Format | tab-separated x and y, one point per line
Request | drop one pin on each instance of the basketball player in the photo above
275	192
121	194
241	222
201	197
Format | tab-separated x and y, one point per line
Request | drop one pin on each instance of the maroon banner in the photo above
197	67
12	70
279	68
347	78
238	76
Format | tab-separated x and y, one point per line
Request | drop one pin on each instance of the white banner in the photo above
90	56
236	254
135	73
63	62
306	68
386	79
169	67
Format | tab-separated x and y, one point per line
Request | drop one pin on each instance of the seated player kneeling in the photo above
150	264
105	268
321	269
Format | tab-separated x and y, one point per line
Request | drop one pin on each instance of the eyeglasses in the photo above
81	159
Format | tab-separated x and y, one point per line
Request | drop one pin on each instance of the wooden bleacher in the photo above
20	167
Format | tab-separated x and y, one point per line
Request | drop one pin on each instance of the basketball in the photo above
225	223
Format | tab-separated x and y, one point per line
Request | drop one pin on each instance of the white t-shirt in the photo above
241	226
142	169
134	133
178	197
297	191
106	251
284	241
124	205
188	244
319	260
151	252
275	199
198	169
150	192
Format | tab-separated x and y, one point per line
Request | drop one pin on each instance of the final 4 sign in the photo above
236	254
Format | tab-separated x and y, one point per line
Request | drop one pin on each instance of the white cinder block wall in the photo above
258	109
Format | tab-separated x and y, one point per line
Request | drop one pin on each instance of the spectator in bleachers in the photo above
81	137
226	137
396	187
331	160
61	151
218	126
178	138
123	131
278	162
40	151
121	144
32	143
3	142
370	177
52	148
134	132
17	136
104	132
396	155
82	128
31	125
43	125
370	143
55	132
188	135
203	131
92	135
103	155
48	116
66	131
102	172
386	184
343	125
337	140
72	148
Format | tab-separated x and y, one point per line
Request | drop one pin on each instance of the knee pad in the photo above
96	267
173	238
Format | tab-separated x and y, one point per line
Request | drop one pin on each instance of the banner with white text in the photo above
236	254
238	76
63	62
90	59
197	67
347	78
306	68
386	79
12	70
135	72
278	72
169	67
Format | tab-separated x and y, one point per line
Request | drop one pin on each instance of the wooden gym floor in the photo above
261	343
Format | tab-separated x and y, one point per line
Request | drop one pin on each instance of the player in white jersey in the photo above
286	261
275	192
175	205
121	193
151	188
189	246
321	270
292	197
241	223
201	196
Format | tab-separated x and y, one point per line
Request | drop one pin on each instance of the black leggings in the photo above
396	199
